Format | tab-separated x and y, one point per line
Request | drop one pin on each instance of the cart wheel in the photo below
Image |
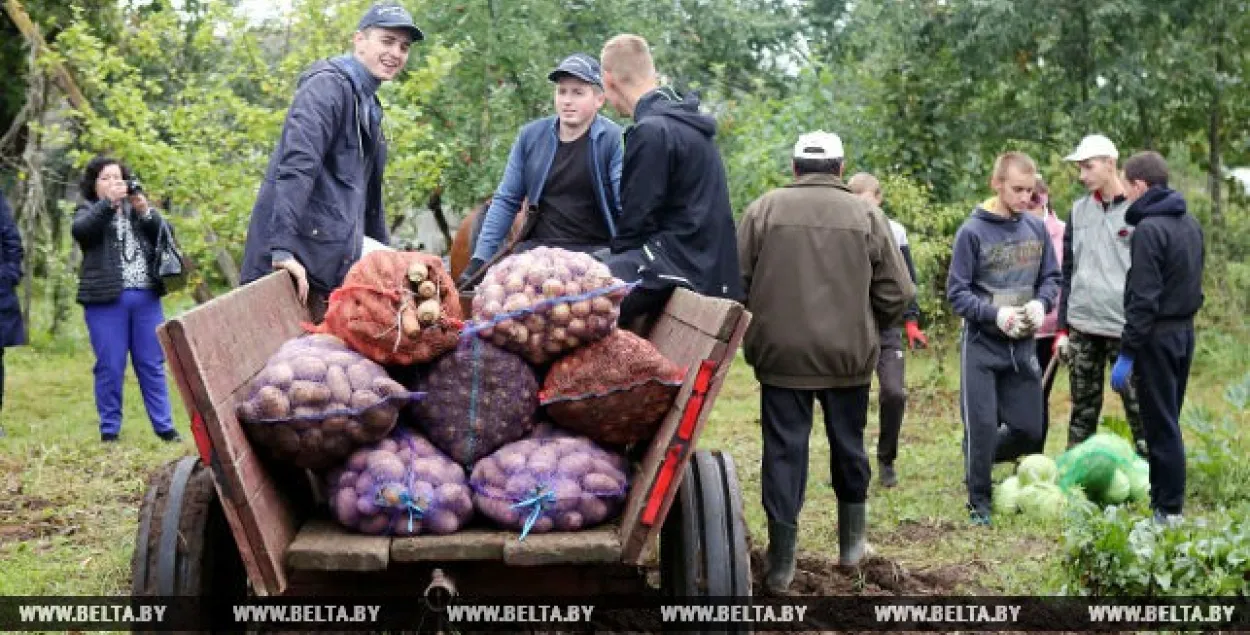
703	544
184	546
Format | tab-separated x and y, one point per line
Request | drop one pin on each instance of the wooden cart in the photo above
230	522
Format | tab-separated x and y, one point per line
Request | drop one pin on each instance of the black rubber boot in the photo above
852	533
888	477
782	541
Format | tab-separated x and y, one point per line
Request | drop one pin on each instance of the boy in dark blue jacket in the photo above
1161	297
567	166
1003	279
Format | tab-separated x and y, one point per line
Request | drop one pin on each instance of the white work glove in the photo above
1010	321
1063	347
1034	314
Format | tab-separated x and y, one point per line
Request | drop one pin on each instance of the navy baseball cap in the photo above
581	66
390	16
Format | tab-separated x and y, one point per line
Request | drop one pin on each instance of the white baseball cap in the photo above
1091	146
818	145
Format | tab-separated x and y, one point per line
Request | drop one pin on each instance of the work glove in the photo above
1010	321
915	337
1121	373
1062	346
1034	314
475	264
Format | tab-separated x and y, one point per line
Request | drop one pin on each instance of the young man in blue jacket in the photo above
1162	294
322	193
677	227
1003	279
567	166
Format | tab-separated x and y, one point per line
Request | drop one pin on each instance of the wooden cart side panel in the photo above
644	538
225	342
689	332
175	352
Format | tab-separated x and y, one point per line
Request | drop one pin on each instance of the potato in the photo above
365	484
580	309
428	312
322	340
286	441
515	283
278	375
487	470
247	411
543	525
303	419
561	314
521	486
358	460
387	387
573	288
577	327
363	398
543	459
600	484
553	287
308	393
492	293
344	505
339	386
516	302
602	305
356	432
593	509
389	445
336	425
309	368
574	465
361	375
272	403
535	323
429	469
441	522
379	420
569	521
568	495
310	442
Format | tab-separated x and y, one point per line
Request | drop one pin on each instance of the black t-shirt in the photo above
568	212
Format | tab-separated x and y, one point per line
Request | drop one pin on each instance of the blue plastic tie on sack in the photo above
472	329
543	497
406	503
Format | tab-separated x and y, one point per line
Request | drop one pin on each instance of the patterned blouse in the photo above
135	272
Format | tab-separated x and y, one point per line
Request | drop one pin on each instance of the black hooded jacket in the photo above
1164	284
676	226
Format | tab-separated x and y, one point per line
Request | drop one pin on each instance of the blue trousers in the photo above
127	326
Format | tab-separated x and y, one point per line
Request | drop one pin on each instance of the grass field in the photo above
69	505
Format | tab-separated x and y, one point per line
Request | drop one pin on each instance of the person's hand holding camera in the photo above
138	200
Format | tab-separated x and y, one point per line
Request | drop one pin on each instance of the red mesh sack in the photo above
396	308
614	391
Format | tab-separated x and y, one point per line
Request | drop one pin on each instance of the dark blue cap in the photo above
581	66
390	16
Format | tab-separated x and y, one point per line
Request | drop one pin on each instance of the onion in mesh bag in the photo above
400	486
315	400
477	398
547	301
552	481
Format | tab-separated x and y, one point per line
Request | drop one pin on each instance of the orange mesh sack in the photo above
396	308
615	391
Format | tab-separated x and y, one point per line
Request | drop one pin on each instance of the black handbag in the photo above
170	266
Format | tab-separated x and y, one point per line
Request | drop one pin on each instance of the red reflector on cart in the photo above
202	441
663	481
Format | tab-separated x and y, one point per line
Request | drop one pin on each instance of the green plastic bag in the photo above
1091	466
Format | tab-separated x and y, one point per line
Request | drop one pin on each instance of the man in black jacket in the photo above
1161	296
322	193
676	226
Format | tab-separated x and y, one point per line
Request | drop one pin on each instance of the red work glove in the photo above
915	337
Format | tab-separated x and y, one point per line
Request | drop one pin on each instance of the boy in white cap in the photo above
1096	261
823	276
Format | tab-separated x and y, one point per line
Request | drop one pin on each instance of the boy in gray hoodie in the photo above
1003	279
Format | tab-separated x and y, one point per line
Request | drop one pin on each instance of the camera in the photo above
133	186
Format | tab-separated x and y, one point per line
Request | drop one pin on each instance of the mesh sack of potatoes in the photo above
400	486
316	400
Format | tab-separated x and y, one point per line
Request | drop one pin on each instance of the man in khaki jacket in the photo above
823	277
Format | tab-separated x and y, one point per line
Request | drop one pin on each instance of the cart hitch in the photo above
440	592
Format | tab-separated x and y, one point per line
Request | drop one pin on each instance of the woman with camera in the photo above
121	294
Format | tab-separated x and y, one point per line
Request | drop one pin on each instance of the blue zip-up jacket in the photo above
319	199
999	262
529	164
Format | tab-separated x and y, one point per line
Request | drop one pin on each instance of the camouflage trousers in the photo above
1089	358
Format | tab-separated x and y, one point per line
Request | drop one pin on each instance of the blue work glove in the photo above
1121	373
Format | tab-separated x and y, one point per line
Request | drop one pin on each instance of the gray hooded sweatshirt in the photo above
1095	265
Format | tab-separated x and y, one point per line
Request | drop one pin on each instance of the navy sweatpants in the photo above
1162	370
1000	382
127	327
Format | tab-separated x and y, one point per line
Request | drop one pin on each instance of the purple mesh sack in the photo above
476	399
546	302
552	481
316	400
400	486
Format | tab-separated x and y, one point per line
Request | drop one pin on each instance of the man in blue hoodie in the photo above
1161	296
677	227
322	193
567	166
1003	279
